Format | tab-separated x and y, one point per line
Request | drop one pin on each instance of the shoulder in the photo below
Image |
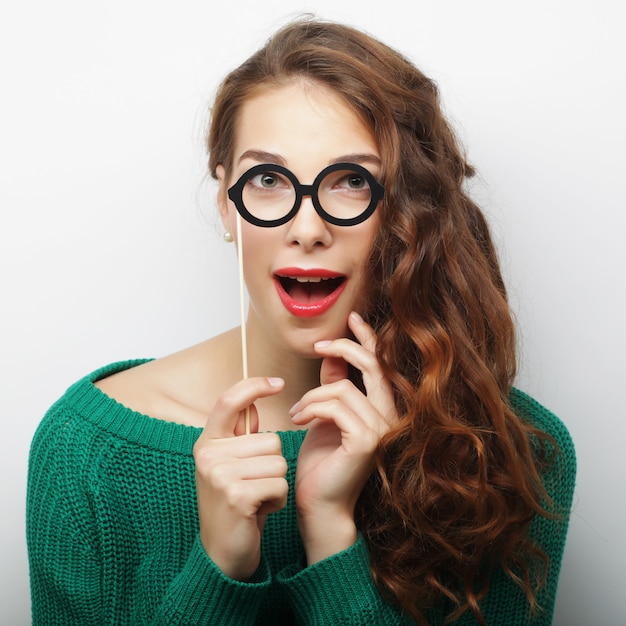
69	441
531	411
181	387
558	451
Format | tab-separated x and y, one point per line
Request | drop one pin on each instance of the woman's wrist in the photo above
324	536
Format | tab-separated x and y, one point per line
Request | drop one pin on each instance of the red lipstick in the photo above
308	292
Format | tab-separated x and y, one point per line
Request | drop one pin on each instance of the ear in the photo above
222	196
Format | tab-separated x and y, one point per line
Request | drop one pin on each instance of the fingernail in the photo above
322	344
294	409
276	382
356	317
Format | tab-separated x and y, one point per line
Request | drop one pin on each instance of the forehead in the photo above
301	121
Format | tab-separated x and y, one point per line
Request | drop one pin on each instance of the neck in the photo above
300	373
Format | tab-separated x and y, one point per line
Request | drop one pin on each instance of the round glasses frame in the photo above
235	193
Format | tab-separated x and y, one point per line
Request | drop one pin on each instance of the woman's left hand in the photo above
345	427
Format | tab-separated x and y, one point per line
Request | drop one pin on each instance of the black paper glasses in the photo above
343	194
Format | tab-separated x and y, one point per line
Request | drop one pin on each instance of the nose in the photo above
307	229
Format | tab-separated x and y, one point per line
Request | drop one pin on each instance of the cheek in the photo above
365	241
256	252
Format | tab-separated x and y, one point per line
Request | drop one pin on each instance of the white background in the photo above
109	247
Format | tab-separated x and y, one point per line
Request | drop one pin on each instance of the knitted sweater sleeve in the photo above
339	590
201	594
73	583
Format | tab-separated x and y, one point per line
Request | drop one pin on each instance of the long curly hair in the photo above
457	481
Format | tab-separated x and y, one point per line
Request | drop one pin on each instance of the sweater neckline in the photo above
93	405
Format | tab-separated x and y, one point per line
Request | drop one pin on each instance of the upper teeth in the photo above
307	279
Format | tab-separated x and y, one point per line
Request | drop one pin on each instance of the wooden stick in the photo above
242	310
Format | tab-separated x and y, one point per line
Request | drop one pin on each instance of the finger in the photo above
247	485
332	370
361	355
231	405
363	332
360	432
378	389
340	396
350	351
271	495
210	452
231	470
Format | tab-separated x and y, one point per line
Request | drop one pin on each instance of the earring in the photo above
228	238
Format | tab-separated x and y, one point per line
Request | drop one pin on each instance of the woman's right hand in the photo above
240	479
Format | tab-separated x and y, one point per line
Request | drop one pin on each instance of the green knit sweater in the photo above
113	532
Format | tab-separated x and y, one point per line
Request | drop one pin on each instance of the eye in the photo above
356	181
268	180
348	181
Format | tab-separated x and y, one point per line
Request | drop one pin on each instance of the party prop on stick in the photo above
242	310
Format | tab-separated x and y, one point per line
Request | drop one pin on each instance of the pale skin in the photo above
297	366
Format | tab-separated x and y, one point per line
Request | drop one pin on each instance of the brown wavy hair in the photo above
456	484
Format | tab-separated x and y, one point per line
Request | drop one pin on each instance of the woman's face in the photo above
303	277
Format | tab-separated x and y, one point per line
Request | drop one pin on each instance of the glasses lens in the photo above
268	195
344	194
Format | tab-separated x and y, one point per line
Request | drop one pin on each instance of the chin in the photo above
300	339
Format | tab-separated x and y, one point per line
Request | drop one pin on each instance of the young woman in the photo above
392	474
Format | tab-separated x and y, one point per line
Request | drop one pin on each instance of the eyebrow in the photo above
262	157
269	157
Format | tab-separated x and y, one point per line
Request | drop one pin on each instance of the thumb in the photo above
332	370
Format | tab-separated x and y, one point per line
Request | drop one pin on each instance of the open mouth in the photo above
309	289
